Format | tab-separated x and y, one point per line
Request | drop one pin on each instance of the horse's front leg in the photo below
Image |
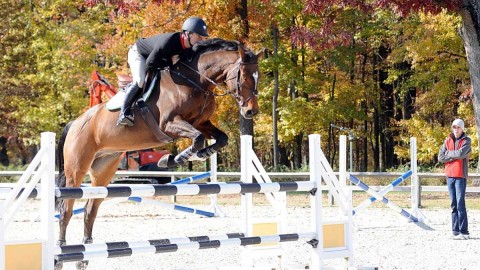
66	212
102	171
211	131
182	128
91	210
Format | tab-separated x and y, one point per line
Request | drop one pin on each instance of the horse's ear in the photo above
241	51
261	54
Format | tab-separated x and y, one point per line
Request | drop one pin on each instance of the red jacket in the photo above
455	153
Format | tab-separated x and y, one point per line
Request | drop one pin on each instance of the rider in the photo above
156	52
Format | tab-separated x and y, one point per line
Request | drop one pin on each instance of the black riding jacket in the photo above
158	50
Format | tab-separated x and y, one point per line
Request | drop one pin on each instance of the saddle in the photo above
123	81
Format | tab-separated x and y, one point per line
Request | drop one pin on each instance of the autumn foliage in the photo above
386	69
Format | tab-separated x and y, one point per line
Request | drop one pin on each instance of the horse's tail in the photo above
60	180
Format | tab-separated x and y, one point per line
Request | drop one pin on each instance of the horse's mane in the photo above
215	44
212	45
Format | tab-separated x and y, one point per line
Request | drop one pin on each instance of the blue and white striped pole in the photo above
177	207
383	192
381	198
191	179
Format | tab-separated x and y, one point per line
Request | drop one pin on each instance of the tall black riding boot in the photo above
126	116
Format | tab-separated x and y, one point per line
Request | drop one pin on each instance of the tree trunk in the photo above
376	119
242	10
275	100
364	164
387	105
297	154
246	125
470	32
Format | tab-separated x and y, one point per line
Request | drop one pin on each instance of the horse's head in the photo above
219	61
242	81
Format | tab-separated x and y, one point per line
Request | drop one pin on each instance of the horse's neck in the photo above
217	67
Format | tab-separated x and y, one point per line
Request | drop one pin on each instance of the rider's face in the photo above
194	38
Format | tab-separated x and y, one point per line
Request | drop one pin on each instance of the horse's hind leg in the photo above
102	171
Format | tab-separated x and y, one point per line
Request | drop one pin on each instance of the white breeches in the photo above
137	66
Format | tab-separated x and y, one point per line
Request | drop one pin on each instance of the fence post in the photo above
415	181
47	207
316	199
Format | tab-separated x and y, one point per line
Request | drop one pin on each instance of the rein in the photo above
206	92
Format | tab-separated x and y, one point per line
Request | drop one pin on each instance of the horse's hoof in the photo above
82	265
167	162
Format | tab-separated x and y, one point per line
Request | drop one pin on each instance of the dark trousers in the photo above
456	189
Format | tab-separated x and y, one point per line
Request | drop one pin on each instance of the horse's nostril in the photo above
250	113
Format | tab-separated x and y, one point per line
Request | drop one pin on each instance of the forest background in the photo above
384	71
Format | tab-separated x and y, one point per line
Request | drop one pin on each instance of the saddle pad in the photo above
116	101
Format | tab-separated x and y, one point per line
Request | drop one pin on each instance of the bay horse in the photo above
182	104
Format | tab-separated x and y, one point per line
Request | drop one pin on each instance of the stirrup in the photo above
125	120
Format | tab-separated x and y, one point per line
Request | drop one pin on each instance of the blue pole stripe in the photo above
402	178
408	215
183	208
191	179
135	199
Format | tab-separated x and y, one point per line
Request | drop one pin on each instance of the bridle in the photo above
235	93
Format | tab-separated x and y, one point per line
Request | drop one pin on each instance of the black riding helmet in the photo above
196	25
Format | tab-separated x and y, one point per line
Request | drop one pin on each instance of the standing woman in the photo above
454	153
